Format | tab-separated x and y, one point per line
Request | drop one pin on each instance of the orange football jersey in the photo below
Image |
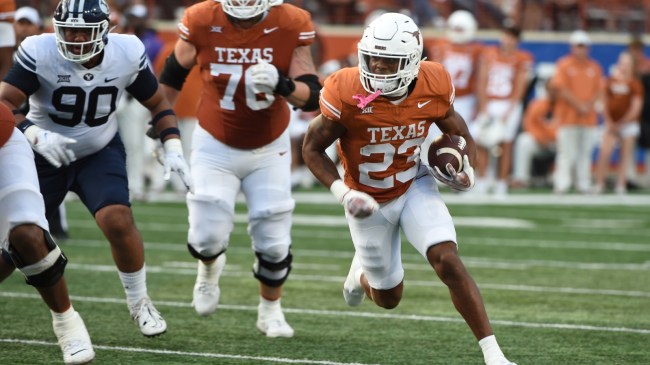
502	71
461	61
378	150
229	108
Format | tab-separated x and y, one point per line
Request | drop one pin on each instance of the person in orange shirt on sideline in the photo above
537	138
503	75
623	100
460	54
579	83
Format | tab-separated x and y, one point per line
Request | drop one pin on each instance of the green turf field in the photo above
563	284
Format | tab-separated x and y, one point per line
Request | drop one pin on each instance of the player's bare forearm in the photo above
13	98
169	93
454	124
320	135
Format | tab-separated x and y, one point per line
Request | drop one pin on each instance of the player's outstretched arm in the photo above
165	126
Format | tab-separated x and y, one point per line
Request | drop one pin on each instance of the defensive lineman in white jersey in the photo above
89	120
74	79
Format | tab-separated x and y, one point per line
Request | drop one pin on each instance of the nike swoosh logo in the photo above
269	30
106	79
76	352
420	105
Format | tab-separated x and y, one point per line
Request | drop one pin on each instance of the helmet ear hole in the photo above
393	36
90	18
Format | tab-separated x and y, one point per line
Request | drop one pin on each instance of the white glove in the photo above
265	77
174	161
357	203
462	181
52	146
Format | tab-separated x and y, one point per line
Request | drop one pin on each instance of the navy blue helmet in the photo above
89	20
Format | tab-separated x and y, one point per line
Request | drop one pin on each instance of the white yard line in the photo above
188	354
336	279
464	199
332	313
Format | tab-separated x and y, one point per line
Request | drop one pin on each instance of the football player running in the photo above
385	186
254	56
74	79
29	245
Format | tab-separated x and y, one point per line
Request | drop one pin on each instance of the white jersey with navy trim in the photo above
75	101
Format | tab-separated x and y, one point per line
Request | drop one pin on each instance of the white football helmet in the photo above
91	16
461	27
246	9
396	36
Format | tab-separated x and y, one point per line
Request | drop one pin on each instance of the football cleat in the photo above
272	323
205	297
353	292
74	340
147	317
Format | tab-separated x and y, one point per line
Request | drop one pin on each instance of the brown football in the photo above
446	149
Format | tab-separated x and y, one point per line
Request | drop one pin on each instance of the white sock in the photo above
490	347
269	304
135	284
207	272
62	317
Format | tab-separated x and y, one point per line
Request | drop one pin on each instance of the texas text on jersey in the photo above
231	109
388	161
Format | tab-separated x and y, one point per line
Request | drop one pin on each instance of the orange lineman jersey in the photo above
378	150
7	9
229	107
503	70
461	61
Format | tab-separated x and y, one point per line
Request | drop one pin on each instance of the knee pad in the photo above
271	227
211	221
45	272
270	270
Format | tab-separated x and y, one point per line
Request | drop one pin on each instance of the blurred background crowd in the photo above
557	15
544	30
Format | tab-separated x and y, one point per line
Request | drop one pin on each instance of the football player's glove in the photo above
265	77
356	203
463	180
268	79
52	146
174	161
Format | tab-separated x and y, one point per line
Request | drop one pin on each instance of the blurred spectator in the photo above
564	15
537	140
341	11
460	53
504	75
622	108
27	22
642	70
579	84
7	36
